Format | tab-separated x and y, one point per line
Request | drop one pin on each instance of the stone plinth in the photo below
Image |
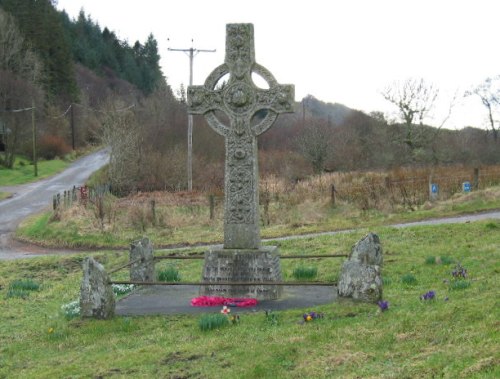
242	265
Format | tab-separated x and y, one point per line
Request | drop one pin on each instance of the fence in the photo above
199	256
81	195
380	190
413	191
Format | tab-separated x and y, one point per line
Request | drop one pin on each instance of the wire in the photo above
64	114
16	110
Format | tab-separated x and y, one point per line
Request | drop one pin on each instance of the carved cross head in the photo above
240	98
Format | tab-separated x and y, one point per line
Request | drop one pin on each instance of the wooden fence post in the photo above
475	182
211	199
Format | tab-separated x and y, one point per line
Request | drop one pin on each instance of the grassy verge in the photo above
4	195
453	338
23	171
128	219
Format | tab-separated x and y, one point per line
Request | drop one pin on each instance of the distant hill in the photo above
335	113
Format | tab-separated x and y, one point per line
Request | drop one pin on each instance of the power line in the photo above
191	52
64	114
16	110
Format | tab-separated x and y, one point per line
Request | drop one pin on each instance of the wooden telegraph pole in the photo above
33	125
191	52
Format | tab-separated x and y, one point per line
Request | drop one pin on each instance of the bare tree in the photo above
414	99
489	93
122	133
20	71
315	144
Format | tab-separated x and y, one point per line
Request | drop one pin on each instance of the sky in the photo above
338	51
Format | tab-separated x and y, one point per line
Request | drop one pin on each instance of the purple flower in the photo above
383	305
459	272
428	295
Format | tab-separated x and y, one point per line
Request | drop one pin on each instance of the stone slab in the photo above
176	300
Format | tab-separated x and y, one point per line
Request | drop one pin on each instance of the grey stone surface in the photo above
168	300
240	99
367	250
360	277
144	270
242	265
242	258
97	299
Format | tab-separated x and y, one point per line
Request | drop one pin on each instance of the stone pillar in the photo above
360	277
97	299
144	269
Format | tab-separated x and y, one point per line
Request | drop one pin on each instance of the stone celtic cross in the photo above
240	99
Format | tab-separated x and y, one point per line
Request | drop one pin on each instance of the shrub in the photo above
213	321
170	274
303	272
50	146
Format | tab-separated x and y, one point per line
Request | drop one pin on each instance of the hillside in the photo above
89	86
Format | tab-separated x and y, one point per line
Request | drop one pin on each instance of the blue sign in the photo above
434	188
466	186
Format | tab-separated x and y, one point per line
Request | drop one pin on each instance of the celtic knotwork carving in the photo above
240	54
240	99
240	179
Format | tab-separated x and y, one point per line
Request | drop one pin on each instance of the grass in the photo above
169	274
4	195
303	272
213	321
184	219
23	171
454	338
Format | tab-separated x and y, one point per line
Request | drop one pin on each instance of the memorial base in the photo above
242	265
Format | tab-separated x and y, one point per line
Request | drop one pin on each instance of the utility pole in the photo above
191	52
72	128
33	126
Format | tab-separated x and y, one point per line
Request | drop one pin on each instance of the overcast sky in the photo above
338	51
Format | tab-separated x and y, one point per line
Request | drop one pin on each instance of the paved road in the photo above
34	197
